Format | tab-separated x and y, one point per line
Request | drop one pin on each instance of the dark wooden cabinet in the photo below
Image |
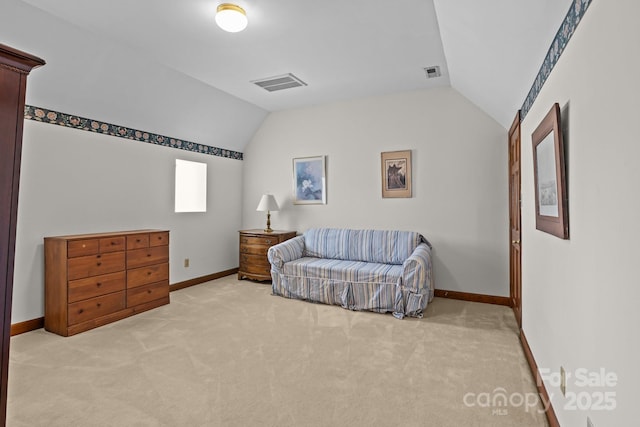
14	68
95	279
254	245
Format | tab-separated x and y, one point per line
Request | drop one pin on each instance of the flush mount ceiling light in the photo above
231	18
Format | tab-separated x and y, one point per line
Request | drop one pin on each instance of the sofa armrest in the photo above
417	272
286	251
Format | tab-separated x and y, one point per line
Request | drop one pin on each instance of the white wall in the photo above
74	181
459	177
581	296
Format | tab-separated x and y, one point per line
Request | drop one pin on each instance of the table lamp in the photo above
268	203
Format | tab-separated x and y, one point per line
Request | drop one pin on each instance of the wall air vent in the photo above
286	81
432	71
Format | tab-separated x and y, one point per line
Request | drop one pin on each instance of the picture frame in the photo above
309	181
396	174
552	214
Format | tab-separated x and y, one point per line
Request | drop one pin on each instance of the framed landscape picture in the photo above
309	181
549	173
396	174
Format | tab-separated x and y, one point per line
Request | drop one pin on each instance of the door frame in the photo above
515	218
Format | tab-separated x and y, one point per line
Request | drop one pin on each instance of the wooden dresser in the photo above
95	279
254	245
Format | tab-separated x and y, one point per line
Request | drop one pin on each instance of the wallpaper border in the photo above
566	30
44	115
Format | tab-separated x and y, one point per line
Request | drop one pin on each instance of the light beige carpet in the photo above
228	353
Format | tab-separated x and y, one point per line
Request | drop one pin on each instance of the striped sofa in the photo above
374	270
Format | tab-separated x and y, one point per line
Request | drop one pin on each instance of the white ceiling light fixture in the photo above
231	18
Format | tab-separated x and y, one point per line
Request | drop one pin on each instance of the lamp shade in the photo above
231	18
268	203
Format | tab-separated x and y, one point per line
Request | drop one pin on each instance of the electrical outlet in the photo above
589	422
563	381
186	263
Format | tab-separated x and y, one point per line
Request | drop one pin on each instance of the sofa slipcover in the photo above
373	270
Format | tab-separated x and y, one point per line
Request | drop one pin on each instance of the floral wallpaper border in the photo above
56	118
566	30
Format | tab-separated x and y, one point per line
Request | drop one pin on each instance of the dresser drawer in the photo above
138	241
92	308
76	248
159	238
146	293
259	240
144	275
95	286
95	265
112	244
147	256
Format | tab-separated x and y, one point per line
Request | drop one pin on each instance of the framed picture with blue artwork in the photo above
309	181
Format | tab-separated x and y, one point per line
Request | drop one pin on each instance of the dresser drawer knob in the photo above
99	305
98	284
268	242
98	264
98	256
148	291
148	254
81	311
148	273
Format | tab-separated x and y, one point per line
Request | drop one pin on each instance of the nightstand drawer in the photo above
257	260
261	270
254	250
259	240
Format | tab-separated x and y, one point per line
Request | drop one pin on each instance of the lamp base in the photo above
268	229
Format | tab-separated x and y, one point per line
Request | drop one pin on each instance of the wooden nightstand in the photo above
254	245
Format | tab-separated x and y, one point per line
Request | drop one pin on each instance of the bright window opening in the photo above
191	186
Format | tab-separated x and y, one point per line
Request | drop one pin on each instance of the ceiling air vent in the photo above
432	72
286	81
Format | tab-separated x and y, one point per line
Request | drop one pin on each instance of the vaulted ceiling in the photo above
490	50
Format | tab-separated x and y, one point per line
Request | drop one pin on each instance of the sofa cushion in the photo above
340	270
378	246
